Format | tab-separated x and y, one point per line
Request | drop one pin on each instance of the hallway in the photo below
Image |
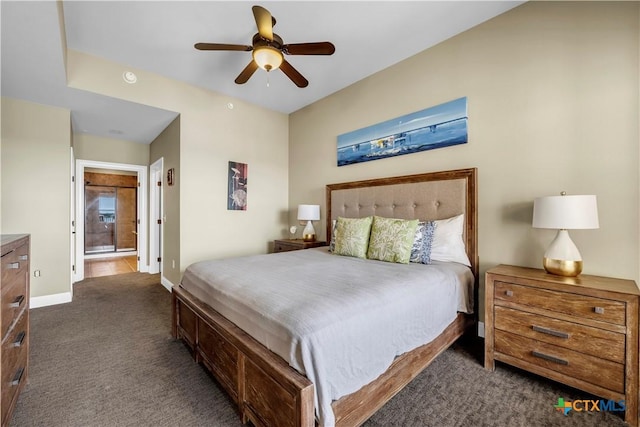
109	266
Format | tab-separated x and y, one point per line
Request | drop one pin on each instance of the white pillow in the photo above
447	242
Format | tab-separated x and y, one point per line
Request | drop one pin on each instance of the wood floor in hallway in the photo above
98	267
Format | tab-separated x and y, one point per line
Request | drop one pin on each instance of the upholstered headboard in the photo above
428	196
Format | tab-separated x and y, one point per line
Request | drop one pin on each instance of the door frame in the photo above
156	212
143	265
72	223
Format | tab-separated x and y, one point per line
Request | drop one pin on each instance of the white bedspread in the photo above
338	320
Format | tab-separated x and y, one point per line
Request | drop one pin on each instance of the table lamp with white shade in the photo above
564	213
309	213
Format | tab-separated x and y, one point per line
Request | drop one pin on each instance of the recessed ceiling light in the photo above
230	105
129	77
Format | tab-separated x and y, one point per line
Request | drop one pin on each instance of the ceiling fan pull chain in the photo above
267	79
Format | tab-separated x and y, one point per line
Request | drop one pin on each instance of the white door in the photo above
72	228
156	219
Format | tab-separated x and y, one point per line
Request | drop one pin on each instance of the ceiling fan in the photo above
268	50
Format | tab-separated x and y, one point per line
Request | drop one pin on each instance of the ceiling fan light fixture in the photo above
268	58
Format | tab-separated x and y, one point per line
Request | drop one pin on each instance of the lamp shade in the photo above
565	212
267	57
308	212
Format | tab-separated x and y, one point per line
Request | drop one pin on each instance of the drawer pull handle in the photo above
17	377
23	257
550	358
599	310
13	265
508	293
19	339
17	302
550	332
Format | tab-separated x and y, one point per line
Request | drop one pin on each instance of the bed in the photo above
286	374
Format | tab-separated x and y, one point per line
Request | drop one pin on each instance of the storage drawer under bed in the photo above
187	324
220	355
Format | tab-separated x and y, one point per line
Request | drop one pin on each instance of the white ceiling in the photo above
158	36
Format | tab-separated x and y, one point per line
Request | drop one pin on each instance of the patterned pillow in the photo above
421	250
391	239
332	242
352	236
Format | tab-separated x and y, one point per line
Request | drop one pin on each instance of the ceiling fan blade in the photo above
319	48
263	22
248	71
293	74
219	46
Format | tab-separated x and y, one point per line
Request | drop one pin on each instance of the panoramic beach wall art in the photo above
434	127
237	183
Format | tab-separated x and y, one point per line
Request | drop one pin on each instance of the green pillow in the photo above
352	236
392	239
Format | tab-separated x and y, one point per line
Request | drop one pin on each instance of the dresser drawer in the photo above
594	370
283	247
580	306
14	299
221	355
574	336
17	338
15	267
14	365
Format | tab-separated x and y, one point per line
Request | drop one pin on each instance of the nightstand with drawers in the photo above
285	245
581	331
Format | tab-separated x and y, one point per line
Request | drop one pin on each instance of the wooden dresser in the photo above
581	331
286	245
14	358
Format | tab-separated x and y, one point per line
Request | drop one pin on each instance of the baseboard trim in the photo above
481	329
166	283
99	255
47	300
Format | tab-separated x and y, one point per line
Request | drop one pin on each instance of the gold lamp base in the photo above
309	233
561	267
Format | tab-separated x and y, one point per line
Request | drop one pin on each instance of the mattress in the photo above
338	320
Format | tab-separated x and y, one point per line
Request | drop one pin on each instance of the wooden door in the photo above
127	220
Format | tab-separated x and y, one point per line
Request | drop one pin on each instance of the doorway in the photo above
98	232
110	217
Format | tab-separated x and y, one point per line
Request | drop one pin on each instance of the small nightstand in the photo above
581	331
285	245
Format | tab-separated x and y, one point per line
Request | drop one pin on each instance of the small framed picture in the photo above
237	192
170	176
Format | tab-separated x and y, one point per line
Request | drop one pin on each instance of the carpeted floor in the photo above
108	359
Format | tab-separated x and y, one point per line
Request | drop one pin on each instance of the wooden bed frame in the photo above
266	390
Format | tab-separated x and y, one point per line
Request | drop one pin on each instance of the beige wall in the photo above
36	188
553	105
210	136
552	94
167	147
110	150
